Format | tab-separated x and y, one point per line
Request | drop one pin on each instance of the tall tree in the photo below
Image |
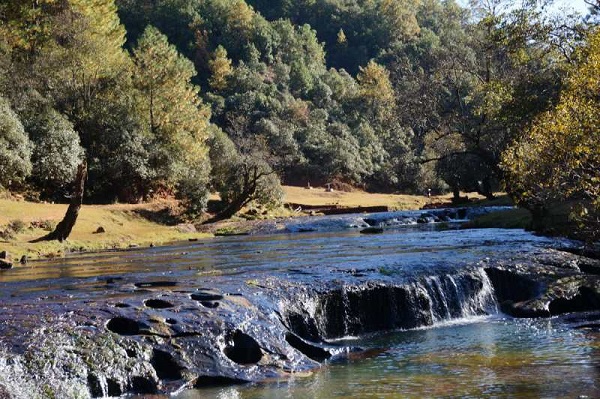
558	158
220	68
174	114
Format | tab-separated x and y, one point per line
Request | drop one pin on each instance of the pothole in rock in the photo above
210	305
243	349
156	284
143	385
122	305
312	351
206	296
123	326
171	321
158	304
165	365
99	388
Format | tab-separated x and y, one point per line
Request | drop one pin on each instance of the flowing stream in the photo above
468	349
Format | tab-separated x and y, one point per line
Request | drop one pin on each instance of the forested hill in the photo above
187	96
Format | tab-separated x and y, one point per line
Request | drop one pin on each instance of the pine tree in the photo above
220	68
174	113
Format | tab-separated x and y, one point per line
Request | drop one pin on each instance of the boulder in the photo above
5	260
5	264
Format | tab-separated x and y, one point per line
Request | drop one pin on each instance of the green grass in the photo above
510	219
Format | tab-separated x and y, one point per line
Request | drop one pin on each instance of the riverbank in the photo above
158	223
99	227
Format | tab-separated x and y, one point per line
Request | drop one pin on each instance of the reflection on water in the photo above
494	357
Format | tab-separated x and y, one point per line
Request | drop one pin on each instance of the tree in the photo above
56	152
376	91
65	226
220	68
475	81
558	158
174	114
85	55
242	175
15	148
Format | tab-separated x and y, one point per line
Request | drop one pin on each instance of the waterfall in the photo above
460	296
351	310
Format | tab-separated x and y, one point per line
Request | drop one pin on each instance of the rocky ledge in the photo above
111	336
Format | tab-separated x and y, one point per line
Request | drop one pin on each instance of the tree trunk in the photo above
234	207
63	229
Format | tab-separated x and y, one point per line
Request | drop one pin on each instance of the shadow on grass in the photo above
165	216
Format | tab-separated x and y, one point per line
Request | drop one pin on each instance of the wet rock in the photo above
206	296
511	286
158	304
205	381
156	284
143	385
372	230
138	336
546	285
124	326
312	351
165	365
243	349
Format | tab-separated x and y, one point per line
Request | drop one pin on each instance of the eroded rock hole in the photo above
166	367
156	284
123	326
243	349
312	351
585	300
143	385
97	388
206	296
171	321
122	305
158	304
210	305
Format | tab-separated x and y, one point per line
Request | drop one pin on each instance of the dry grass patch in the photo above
124	226
319	196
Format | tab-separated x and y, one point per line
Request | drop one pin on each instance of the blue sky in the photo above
578	5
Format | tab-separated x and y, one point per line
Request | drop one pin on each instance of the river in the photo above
461	346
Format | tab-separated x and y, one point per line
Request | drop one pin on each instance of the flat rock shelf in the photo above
260	308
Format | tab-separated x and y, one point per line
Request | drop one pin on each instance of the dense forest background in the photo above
184	97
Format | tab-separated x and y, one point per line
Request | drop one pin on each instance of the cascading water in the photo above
460	296
355	310
231	310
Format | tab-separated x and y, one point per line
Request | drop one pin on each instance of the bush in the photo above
15	148
193	192
13	228
56	152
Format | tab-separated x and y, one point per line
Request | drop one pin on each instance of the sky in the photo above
577	5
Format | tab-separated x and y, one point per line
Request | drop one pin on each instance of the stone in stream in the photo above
5	260
372	230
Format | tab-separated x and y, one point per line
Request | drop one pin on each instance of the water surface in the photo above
493	357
